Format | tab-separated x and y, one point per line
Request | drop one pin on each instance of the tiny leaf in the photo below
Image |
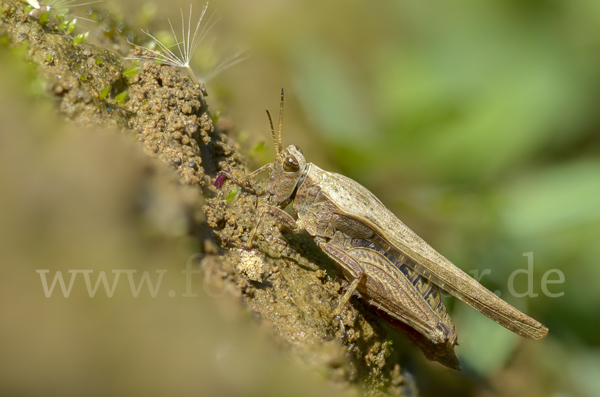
121	98
105	91
130	72
232	193
71	26
80	38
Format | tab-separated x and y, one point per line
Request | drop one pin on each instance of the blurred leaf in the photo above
329	93
485	346
553	200
584	368
259	148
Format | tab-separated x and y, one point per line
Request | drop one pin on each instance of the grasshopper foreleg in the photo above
242	181
283	217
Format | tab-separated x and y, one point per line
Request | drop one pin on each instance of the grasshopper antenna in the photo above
281	121
274	137
277	142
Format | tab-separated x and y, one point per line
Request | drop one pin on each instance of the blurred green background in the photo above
476	123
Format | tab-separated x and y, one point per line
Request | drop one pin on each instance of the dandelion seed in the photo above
213	63
186	47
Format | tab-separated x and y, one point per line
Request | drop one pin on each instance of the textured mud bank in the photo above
288	285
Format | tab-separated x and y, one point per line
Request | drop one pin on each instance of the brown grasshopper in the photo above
395	271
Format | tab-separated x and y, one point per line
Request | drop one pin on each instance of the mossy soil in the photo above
288	284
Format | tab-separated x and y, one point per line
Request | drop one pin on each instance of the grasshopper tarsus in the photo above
222	175
347	295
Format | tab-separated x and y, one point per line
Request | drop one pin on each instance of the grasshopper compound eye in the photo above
290	164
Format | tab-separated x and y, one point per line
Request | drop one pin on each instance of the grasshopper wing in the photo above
398	240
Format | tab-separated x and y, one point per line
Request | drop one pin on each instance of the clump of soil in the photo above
287	282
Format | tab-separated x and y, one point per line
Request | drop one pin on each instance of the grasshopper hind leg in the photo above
404	301
352	271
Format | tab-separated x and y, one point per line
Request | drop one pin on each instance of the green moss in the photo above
98	61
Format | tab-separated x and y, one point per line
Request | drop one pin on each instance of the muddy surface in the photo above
288	284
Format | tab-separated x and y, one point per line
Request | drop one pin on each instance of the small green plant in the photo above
70	27
121	98
232	194
63	25
105	91
57	8
44	18
131	71
81	37
67	26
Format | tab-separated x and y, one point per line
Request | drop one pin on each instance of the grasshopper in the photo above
397	273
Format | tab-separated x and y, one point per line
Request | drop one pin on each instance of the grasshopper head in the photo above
283	179
287	168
